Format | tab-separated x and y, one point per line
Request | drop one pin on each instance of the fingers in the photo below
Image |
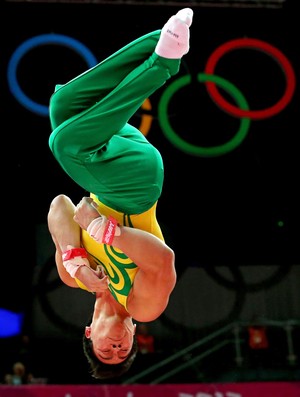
83	201
102	284
86	200
91	280
75	218
94	204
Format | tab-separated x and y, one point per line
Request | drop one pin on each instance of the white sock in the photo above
174	41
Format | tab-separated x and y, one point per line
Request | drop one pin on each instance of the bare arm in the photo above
66	234
156	277
64	231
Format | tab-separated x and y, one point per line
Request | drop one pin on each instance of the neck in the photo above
105	304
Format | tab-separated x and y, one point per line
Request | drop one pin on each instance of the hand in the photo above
85	212
94	280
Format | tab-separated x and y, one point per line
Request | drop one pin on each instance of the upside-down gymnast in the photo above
111	243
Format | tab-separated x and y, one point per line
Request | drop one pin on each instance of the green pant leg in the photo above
77	142
91	86
93	127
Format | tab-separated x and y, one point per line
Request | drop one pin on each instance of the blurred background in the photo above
230	205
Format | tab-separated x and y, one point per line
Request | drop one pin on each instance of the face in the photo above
112	342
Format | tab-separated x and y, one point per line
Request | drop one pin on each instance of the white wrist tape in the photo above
103	229
72	265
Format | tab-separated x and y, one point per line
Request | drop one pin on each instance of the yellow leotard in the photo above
120	269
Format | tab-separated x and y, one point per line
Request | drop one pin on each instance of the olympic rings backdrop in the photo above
226	125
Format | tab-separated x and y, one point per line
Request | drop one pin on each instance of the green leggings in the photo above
91	137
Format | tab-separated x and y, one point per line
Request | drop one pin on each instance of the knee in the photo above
59	201
60	204
60	211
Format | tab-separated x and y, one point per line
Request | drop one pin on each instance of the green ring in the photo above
189	148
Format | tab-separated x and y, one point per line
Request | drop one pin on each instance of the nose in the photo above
116	346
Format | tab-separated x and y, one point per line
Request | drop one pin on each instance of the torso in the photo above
119	268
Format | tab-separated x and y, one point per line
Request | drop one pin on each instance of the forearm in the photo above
146	250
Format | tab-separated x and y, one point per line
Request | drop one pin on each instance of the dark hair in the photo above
100	370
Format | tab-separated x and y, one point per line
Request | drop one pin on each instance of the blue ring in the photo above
36	41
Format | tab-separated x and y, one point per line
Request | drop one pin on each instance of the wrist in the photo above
111	230
73	253
103	229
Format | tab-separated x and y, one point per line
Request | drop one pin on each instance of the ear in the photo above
87	332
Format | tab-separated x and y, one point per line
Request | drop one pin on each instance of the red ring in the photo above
268	49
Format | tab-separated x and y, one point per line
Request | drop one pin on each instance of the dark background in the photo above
236	209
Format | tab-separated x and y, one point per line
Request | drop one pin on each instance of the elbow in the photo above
168	266
169	257
166	257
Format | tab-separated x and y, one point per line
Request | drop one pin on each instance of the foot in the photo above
174	41
185	15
